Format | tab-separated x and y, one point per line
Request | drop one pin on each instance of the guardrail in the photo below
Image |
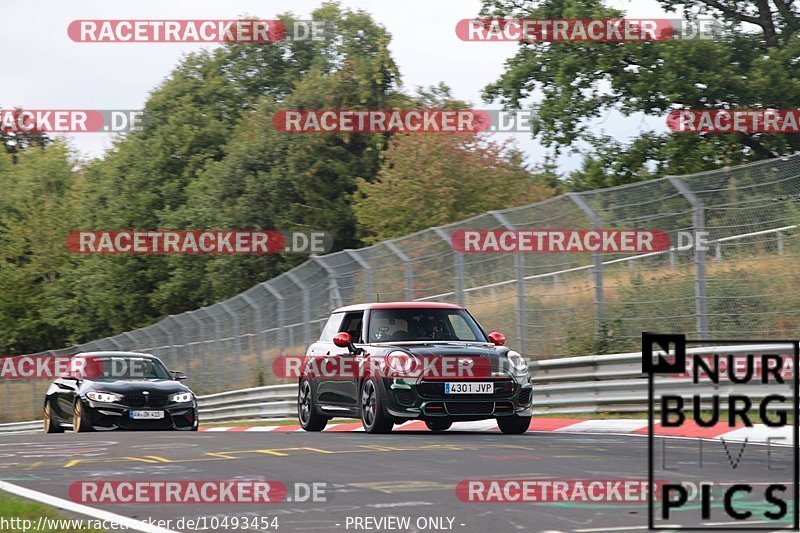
615	383
587	384
274	401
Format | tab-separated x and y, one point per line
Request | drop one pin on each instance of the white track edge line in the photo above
644	435
67	505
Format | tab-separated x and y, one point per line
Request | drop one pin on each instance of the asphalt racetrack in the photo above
405	474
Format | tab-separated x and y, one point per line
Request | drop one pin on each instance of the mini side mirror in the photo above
497	338
342	340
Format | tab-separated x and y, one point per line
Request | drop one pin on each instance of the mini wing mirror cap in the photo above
497	338
177	375
342	340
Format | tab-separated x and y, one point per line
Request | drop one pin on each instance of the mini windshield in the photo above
398	325
124	367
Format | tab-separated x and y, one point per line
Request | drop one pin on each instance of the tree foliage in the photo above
430	180
752	65
210	157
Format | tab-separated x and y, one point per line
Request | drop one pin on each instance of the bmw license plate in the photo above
147	415
481	387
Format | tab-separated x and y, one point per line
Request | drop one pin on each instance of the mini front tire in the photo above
373	417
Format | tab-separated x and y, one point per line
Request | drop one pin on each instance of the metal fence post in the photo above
598	261
306	306
7	395
458	262
519	265
150	338
180	343
185	344
237	339
409	271
257	312
217	348
698	223
280	336
170	342
365	266
132	340
334	296
204	336
117	346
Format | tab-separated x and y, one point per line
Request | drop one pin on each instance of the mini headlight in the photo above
517	362
402	365
181	397
106	397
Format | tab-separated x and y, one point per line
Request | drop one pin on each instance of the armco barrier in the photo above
588	384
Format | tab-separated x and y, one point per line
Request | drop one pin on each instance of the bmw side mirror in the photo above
177	375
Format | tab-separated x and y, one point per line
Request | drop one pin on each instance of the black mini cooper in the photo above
388	363
119	390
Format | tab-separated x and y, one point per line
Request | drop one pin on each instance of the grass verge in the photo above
13	507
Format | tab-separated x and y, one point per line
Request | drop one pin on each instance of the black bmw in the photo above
367	364
119	390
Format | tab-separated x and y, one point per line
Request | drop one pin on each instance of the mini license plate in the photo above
481	387
147	415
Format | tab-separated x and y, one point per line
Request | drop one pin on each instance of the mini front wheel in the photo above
373	417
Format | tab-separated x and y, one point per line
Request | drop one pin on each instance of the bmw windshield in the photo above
421	325
104	368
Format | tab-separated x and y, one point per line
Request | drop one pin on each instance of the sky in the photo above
46	70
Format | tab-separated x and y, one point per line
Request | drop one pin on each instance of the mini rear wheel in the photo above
310	420
513	425
438	425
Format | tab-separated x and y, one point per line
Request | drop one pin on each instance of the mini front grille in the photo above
435	389
470	408
524	397
404	396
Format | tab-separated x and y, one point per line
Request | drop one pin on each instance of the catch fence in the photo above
549	305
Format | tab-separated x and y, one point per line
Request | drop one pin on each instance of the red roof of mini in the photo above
397	305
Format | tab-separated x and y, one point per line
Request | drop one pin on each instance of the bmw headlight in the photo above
518	363
105	397
181	397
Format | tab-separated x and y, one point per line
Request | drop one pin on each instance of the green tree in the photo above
752	65
38	207
433	179
210	157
